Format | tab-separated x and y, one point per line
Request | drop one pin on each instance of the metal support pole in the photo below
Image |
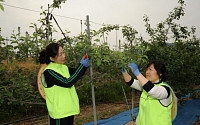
116	41
133	94
48	26
47	40
91	75
81	27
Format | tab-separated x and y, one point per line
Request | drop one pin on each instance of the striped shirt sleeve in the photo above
54	78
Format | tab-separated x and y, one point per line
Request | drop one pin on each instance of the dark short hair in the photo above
160	68
50	51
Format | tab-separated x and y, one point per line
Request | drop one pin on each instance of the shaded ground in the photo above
130	123
198	122
103	111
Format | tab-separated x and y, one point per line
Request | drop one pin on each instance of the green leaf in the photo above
98	62
2	8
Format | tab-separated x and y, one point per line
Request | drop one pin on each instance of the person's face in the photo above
151	74
60	57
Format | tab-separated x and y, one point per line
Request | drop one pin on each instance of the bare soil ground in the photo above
198	122
103	111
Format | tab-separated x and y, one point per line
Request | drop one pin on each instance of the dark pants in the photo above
63	121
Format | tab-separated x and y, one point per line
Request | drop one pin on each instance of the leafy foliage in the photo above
56	3
181	56
1	6
181	59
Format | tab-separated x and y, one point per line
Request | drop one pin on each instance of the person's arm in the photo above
142	79
130	81
72	70
54	78
126	76
160	92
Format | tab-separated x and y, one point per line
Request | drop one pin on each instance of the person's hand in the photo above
134	69
85	61
123	70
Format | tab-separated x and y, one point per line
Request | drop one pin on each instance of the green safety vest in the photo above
61	102
152	112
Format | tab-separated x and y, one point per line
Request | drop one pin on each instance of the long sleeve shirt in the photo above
160	92
54	78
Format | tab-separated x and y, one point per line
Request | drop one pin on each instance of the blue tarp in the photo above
187	115
119	119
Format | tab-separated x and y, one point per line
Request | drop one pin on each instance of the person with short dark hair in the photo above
58	82
156	99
